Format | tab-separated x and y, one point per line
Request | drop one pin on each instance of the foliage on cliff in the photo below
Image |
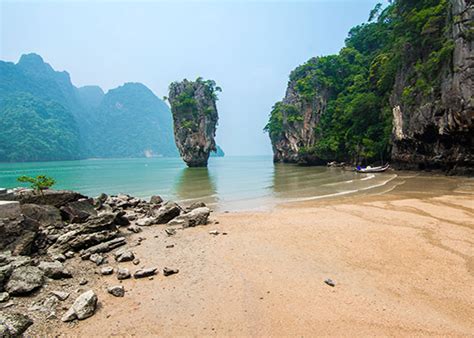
43	116
356	123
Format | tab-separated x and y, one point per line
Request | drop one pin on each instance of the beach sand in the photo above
402	264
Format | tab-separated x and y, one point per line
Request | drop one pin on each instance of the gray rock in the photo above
155	199
83	281
4	296
169	271
170	231
198	216
54	270
84	307
134	228
78	211
196	205
124	256
330	282
13	324
61	295
59	257
107	270
69	254
9	209
97	259
24	280
142	273
117	290
103	247
123	273
146	221
46	215
166	212
18	234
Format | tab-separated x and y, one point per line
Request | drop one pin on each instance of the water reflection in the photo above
196	184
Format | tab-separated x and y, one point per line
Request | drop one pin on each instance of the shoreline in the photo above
402	263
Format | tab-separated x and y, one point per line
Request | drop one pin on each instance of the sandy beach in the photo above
402	264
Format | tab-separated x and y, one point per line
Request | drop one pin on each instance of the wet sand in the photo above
402	263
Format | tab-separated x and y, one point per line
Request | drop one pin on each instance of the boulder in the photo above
9	209
166	212
84	307
13	324
18	235
103	247
54	270
46	215
116	290
198	216
196	205
24	280
155	199
78	211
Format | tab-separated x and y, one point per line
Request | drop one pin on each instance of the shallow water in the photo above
229	183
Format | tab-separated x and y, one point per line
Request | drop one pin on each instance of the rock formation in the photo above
437	132
299	117
337	107
193	105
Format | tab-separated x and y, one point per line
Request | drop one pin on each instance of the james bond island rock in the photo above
193	105
400	91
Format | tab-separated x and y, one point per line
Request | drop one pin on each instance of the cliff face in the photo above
400	90
298	118
436	131
193	105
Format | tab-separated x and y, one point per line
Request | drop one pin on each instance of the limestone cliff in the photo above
436	131
193	105
297	118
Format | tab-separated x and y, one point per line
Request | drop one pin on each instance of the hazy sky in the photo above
247	47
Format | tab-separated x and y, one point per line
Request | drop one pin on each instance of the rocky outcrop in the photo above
193	105
299	118
437	131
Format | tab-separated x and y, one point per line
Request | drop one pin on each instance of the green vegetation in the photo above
43	117
358	82
38	183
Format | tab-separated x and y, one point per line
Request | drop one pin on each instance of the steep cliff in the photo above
193	105
292	124
400	90
433	129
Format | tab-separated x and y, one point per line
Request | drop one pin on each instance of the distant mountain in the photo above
43	116
132	122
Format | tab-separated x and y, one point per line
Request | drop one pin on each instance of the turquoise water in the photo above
229	183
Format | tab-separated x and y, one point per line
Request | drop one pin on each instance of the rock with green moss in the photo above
193	104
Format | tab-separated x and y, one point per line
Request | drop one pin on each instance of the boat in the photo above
370	169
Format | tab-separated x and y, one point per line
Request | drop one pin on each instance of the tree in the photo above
38	183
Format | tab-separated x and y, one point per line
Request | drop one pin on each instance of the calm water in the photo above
229	183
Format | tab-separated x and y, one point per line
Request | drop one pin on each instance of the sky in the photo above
248	47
